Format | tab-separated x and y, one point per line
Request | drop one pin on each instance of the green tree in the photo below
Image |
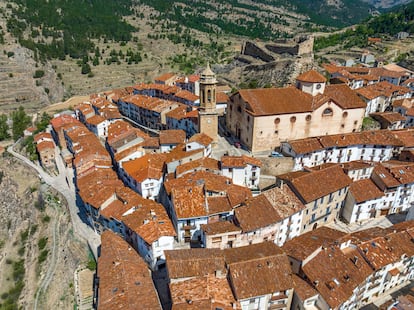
20	122
86	68
43	123
4	128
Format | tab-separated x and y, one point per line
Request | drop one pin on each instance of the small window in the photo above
239	109
355	122
277	120
308	117
276	132
327	112
248	118
342	125
345	114
318	86
293	119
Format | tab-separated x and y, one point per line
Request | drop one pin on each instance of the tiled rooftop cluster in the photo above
167	193
349	270
124	281
210	278
374	145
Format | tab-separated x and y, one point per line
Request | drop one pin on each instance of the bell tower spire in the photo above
207	113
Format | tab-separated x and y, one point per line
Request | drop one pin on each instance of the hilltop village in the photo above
169	174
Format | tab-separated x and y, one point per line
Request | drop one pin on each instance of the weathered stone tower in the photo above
207	113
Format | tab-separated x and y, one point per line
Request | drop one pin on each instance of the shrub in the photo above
38	74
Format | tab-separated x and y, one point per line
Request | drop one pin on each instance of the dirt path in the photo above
60	106
52	265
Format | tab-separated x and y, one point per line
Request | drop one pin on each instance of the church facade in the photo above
263	118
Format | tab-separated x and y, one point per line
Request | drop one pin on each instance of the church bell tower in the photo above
207	113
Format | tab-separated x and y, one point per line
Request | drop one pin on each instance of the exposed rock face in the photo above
386	4
18	87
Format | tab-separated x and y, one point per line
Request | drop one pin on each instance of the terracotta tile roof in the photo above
284	201
369	92
317	184
271	101
95	120
408	82
149	166
410	112
344	96
201	138
335	275
311	76
221	227
222	98
172	136
45	145
205	163
239	161
109	113
194	262
390	117
179	152
257	213
149	220
303	289
151	142
218	205
387	246
383	72
384	178
181	112
211	181
121	131
164	77
189	194
268	208
406	136
203	293
150	103
305	146
269	274
189	201
356	165
252	252
186	95
372	137
124	279
364	190
59	121
304	245
43	136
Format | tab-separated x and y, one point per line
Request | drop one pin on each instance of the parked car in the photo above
275	154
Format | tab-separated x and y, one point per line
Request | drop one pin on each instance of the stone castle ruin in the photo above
300	46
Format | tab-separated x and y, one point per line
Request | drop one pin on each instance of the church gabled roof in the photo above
311	76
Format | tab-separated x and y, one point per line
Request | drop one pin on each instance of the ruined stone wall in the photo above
305	46
251	49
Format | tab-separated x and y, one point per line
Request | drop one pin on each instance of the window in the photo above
248	118
327	112
277	121
345	114
318	86
308	117
239	109
293	119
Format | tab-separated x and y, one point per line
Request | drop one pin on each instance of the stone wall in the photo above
251	49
